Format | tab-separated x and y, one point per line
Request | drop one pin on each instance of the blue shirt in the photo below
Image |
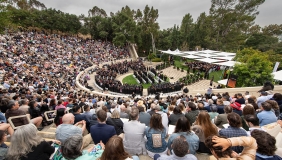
149	144
266	117
191	138
102	132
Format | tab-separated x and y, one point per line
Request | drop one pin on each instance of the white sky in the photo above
170	11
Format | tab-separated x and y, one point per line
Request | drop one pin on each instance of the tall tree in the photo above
230	20
186	29
254	70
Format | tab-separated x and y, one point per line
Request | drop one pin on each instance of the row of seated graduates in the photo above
201	66
165	87
105	78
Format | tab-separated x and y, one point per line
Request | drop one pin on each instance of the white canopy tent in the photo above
228	63
278	75
204	55
225	54
172	52
192	57
229	58
208	51
223	81
191	52
209	60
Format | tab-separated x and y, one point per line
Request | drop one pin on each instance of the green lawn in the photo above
131	80
217	75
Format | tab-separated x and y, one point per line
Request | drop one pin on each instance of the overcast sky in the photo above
170	11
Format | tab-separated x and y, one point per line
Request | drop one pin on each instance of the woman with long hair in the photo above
114	150
253	103
27	145
175	116
183	128
203	127
275	107
115	121
156	135
52	104
59	115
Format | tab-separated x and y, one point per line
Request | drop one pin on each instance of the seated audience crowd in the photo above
112	128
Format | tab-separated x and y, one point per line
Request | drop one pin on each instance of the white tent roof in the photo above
208	51
228	63
229	58
171	52
204	55
225	54
192	57
191	52
209	60
223	81
278	75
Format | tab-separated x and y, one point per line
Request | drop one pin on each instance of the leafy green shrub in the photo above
156	60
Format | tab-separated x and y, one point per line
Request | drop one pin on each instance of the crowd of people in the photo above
39	73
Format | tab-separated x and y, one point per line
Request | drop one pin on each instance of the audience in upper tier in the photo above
38	73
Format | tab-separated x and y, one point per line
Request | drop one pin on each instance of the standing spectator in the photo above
266	116
173	118
156	134
183	128
143	116
203	128
192	113
134	142
102	131
234	129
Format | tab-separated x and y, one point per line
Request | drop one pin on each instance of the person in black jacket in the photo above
80	117
115	121
27	145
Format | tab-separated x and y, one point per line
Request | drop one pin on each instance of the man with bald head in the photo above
68	129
